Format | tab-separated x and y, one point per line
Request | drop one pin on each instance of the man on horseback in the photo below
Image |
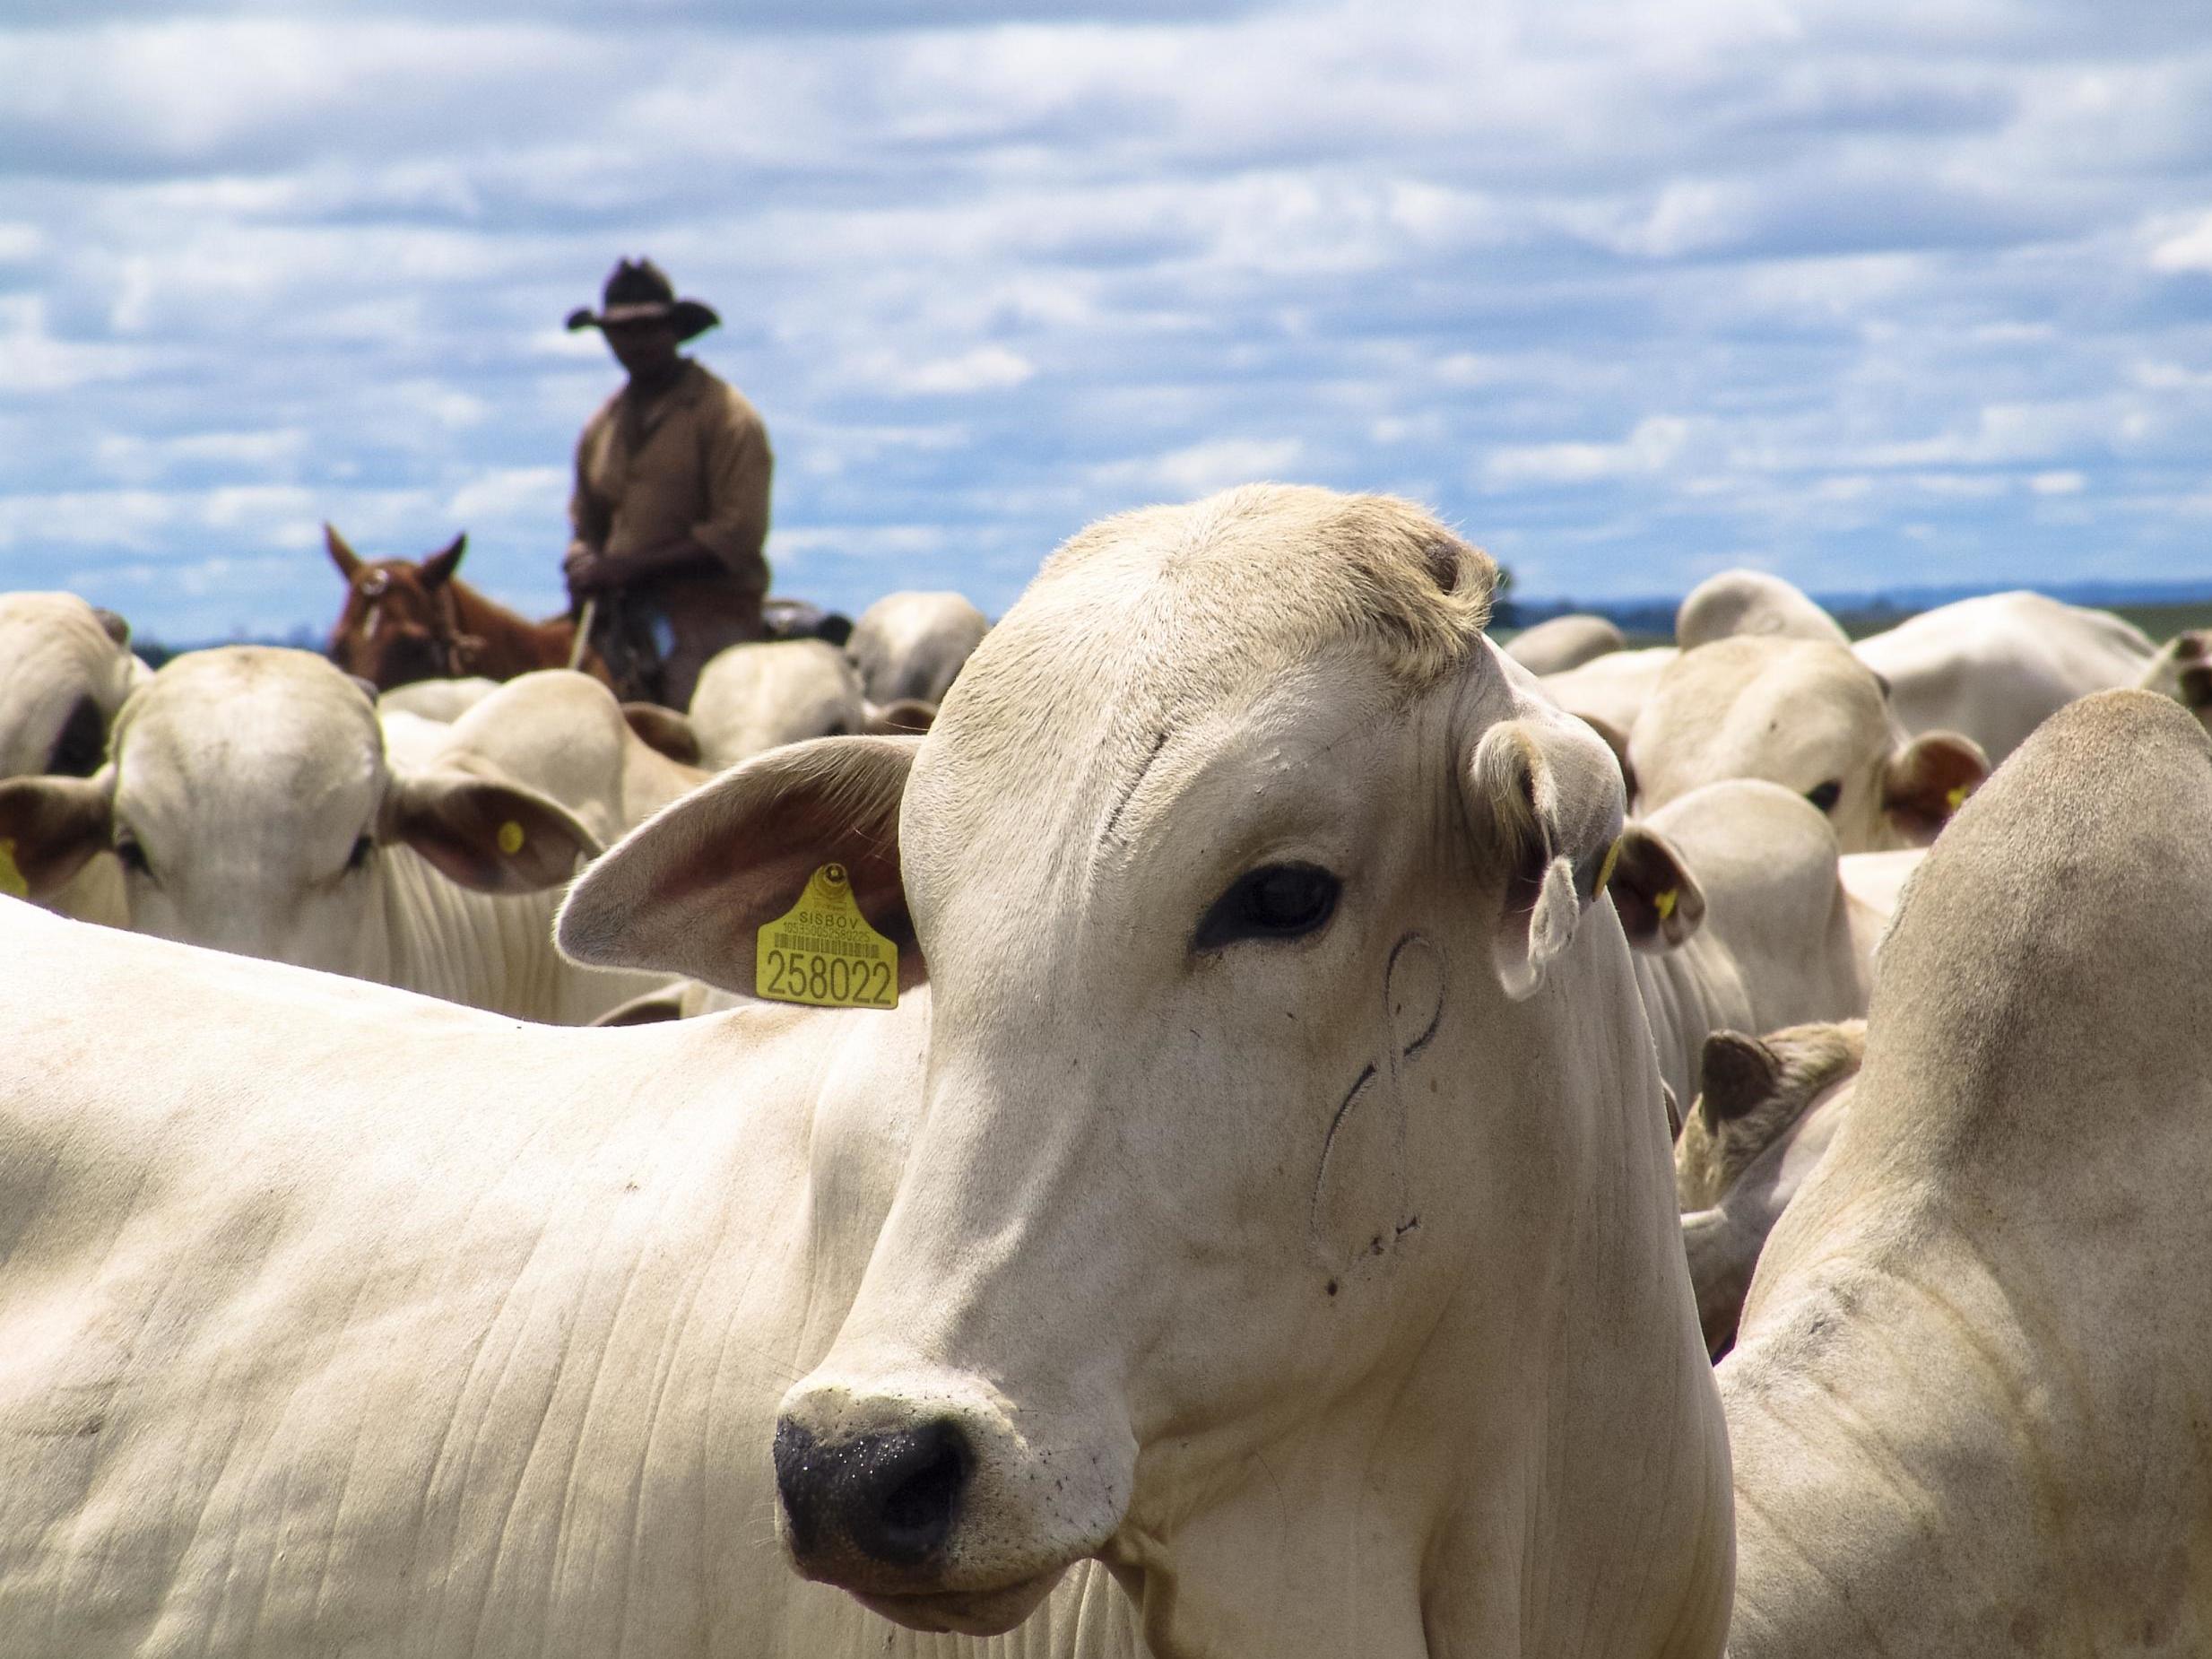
671	504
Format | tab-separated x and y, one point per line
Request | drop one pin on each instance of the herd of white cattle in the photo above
1254	1233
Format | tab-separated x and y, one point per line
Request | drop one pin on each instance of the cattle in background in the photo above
2183	670
1342	1283
1997	666
405	621
1808	716
1965	1402
1609	691
753	697
1765	1110
250	801
65	667
910	646
1752	602
1564	642
1734	900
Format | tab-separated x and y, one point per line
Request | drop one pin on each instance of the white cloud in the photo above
2187	247
1651	448
1204	468
1878	264
2057	483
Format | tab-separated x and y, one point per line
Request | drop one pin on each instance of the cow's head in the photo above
65	669
1288	1222
398	624
1809	716
248	798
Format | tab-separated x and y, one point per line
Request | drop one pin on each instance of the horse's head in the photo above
400	621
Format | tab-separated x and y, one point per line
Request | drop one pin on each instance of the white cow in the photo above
250	802
910	646
1967	1402
1289	1222
752	698
1808	716
1997	666
1564	642
2183	670
1754	603
65	669
1766	1109
337	1319
442	700
1780	942
1609	692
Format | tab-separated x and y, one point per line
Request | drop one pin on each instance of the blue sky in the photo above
1870	292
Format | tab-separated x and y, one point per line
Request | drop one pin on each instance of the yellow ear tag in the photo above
1605	870
1957	797
821	951
1664	903
12	881
510	837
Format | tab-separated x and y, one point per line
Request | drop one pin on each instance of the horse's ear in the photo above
348	561
438	567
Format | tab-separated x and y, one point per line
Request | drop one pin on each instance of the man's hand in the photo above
587	571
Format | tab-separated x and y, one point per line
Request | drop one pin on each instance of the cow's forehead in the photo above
245	712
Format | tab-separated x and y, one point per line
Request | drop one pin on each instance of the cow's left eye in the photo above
359	856
1274	901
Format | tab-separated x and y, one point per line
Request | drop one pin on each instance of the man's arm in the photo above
739	468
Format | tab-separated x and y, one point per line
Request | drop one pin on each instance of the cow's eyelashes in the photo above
1274	901
1825	796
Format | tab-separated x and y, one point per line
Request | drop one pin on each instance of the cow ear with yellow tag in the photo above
1929	780
1659	902
750	881
822	950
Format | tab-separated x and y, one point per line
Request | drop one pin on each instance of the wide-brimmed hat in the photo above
638	291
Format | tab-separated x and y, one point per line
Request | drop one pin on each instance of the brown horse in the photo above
405	621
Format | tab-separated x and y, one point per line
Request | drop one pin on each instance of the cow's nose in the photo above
891	1497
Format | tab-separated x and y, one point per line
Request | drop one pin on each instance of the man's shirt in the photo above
692	460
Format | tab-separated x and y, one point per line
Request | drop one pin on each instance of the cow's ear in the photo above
902	716
438	569
689	890
348	561
664	730
1544	793
1736	1074
1928	779
49	826
1659	902
113	624
492	837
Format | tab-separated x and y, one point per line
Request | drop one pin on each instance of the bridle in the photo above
456	648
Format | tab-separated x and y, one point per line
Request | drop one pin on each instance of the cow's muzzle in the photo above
872	1501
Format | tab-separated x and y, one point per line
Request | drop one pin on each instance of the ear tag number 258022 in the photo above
822	951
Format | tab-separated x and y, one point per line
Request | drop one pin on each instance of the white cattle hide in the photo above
753	697
1997	666
250	799
1757	866
339	1320
1966	1398
442	700
1564	642
1808	715
1766	1111
1751	602
910	646
65	669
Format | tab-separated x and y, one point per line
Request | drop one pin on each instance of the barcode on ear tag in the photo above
821	951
